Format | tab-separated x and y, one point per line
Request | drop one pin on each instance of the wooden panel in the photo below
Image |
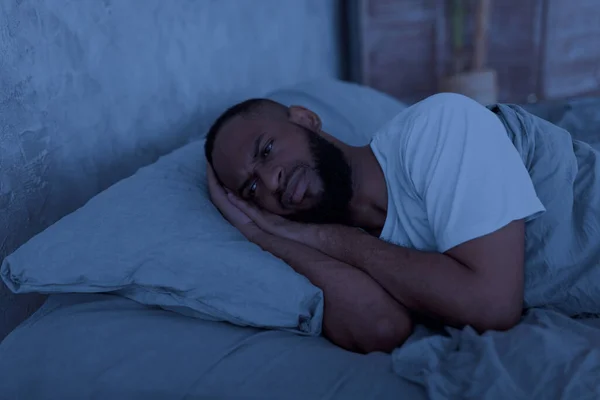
572	63
514	39
539	48
399	47
405	11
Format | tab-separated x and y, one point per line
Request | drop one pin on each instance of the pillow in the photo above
349	111
156	238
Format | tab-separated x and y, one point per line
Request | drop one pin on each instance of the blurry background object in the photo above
540	49
476	82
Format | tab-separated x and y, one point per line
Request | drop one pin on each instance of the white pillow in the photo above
156	238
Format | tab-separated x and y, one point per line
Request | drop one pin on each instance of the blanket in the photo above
554	352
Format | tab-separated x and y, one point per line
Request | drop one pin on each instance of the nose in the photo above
271	176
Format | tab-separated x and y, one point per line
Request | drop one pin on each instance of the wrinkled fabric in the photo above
97	346
547	356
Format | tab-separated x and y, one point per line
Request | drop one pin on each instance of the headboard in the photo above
540	49
91	90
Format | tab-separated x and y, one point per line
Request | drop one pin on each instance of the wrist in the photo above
303	233
254	234
322	233
343	243
322	236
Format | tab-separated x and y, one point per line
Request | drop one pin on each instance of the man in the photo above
428	220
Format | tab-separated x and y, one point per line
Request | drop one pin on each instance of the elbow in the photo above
387	334
500	316
507	319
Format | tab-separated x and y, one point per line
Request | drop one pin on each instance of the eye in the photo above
267	149
252	189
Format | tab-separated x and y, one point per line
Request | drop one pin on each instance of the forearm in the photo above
429	283
359	315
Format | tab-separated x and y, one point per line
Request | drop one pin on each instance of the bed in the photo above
123	344
102	345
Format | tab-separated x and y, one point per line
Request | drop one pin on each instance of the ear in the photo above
305	117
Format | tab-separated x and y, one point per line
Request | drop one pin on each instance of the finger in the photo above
259	215
213	184
246	208
210	176
210	173
217	193
239	203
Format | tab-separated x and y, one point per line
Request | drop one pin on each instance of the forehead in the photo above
234	146
234	133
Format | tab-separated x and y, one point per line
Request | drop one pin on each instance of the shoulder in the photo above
443	119
441	108
447	108
448	99
448	118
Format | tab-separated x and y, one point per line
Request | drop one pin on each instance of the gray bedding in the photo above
101	347
547	356
580	117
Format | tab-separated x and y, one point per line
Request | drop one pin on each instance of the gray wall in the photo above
90	90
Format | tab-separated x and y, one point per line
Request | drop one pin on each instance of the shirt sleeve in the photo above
466	171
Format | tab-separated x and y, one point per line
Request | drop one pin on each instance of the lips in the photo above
296	188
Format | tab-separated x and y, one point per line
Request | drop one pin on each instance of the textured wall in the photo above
90	90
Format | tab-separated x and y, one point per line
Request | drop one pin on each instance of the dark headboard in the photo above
540	49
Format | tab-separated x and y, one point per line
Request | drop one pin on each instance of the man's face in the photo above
284	168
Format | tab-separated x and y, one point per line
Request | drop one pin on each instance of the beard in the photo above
335	173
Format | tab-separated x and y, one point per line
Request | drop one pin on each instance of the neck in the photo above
368	207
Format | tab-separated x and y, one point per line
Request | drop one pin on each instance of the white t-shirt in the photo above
452	174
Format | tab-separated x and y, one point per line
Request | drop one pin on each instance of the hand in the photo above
235	216
272	223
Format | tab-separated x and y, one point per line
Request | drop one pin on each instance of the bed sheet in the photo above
91	346
580	117
548	356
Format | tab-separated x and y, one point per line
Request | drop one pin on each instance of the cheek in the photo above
294	152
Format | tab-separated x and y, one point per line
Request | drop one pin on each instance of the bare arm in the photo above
478	283
359	315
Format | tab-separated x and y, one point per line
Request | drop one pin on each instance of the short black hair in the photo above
245	108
